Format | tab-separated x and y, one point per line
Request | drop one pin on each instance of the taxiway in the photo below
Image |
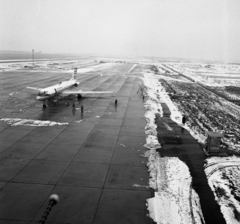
92	161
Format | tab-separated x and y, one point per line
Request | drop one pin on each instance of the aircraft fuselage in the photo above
54	91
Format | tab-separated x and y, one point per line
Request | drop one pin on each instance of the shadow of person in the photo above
182	130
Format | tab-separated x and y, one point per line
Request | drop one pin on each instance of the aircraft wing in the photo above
34	88
68	92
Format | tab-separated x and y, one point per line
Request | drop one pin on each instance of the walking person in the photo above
82	109
183	119
73	107
116	105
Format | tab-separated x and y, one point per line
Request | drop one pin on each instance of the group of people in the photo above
82	108
74	108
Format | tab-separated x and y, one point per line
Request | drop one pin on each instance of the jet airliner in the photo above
54	93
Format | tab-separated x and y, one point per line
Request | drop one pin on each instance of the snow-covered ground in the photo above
175	201
96	67
206	111
56	64
209	74
223	178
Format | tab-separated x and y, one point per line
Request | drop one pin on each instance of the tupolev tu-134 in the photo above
56	92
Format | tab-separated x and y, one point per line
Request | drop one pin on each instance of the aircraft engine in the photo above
76	84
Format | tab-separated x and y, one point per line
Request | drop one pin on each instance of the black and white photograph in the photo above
119	111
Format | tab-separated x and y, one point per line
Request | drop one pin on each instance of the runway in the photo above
91	160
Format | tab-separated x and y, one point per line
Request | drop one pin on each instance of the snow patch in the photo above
30	122
175	201
223	178
79	121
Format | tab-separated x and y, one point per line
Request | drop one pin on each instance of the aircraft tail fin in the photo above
74	73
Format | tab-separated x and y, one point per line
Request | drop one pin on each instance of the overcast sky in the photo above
197	29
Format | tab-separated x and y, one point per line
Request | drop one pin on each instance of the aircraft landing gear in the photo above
79	96
44	106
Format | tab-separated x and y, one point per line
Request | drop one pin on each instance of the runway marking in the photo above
30	122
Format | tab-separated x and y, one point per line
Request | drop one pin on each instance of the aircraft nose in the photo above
39	98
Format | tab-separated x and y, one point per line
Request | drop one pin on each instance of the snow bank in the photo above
223	178
175	201
195	134
163	97
132	68
152	107
222	173
158	94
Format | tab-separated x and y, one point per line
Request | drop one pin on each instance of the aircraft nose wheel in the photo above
79	96
44	106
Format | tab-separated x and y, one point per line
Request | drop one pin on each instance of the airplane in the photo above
54	93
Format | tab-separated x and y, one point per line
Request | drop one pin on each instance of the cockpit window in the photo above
42	93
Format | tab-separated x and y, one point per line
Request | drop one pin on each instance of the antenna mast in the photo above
33	57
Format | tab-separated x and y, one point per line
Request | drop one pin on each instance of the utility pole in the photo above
33	57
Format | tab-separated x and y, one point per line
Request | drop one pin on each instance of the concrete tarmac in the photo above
94	163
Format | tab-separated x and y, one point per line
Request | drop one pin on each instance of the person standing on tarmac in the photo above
73	106
183	119
82	109
183	122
